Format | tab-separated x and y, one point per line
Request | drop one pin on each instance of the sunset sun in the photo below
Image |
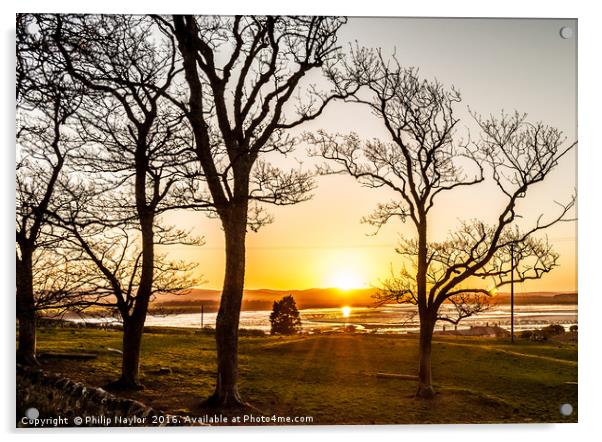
346	280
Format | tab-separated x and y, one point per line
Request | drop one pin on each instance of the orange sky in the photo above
496	64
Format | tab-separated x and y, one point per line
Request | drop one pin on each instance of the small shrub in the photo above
539	335
526	334
573	328
553	330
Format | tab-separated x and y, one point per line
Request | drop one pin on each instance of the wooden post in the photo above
512	292
202	314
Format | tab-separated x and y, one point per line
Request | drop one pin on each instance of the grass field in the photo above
331	377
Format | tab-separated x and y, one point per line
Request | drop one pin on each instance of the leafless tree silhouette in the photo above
246	88
110	260
46	103
135	153
464	304
420	163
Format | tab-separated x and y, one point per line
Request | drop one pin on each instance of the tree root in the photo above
28	360
124	385
425	392
229	401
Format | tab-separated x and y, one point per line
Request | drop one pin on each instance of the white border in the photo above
590	221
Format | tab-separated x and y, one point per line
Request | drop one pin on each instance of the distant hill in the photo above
262	299
538	298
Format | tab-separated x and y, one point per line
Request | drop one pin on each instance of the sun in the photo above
346	280
346	311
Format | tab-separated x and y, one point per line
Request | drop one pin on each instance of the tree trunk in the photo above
133	324
26	353
226	330
26	312
427	316
130	366
425	379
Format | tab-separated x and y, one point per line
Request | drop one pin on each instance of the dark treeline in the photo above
122	119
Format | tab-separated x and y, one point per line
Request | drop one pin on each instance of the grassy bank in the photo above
331	377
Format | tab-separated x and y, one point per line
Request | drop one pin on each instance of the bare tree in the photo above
59	283
420	163
46	103
110	263
248	84
400	288
136	150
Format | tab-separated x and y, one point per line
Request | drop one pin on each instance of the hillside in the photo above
262	299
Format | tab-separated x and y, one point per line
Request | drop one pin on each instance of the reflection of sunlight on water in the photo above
387	319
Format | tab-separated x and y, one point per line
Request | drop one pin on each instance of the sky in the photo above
496	64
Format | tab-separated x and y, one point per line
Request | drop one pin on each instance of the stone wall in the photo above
43	398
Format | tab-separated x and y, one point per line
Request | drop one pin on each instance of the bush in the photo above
553	330
539	335
526	334
573	328
285	318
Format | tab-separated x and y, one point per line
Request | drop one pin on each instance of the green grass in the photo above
331	377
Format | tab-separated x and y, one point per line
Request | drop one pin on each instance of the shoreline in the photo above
384	320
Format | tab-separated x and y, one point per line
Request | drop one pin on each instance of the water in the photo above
385	319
